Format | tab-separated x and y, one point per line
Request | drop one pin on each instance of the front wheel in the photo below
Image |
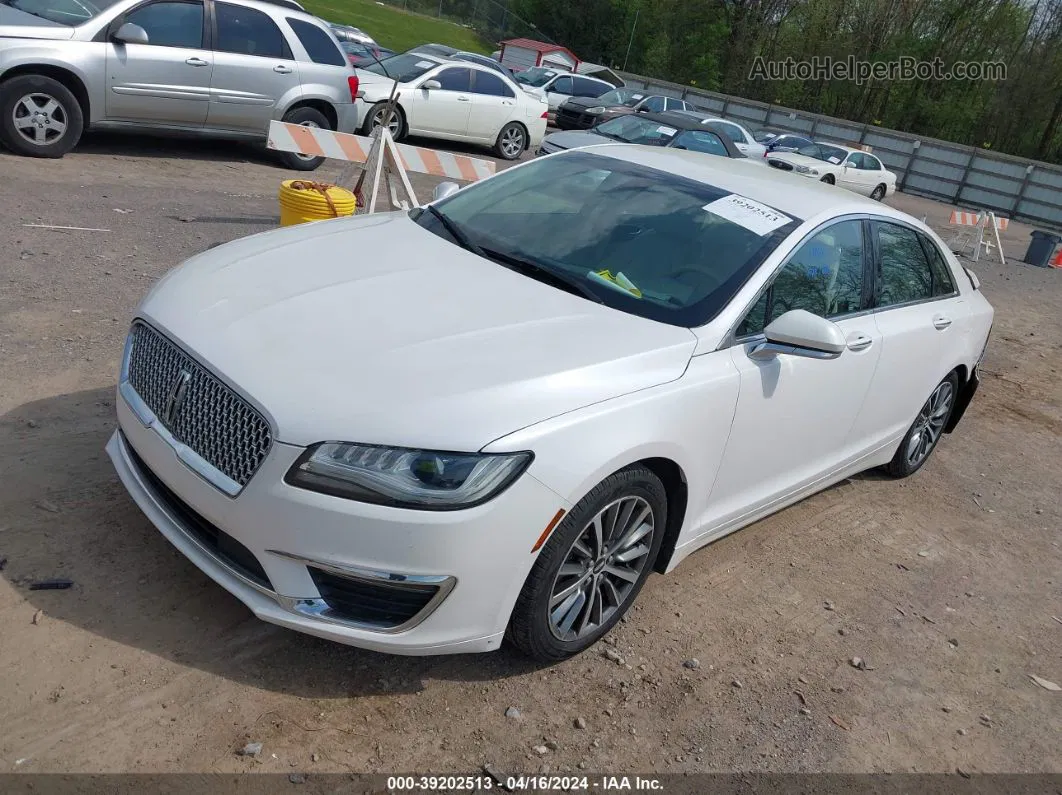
592	568
376	116
924	434
39	116
305	117
828	179
512	141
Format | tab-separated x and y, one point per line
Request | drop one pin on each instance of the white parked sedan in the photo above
517	402
849	168
453	100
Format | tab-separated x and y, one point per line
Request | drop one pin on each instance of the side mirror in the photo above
800	333
444	189
131	34
431	85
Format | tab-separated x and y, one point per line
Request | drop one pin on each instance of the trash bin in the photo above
1042	248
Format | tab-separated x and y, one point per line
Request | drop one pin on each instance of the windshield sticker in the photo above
617	282
638	96
425	64
664	130
752	215
835	160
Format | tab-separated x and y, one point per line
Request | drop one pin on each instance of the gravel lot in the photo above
948	585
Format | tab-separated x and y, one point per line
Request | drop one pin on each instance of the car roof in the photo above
676	118
790	193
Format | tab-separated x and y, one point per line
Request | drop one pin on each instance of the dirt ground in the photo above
948	585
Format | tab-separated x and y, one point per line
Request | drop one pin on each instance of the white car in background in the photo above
545	392
453	100
557	87
849	168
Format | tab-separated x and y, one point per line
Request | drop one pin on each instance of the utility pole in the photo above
631	42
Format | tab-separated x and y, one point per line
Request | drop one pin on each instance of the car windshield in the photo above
536	76
65	12
621	96
354	48
644	241
636	129
763	136
824	152
404	67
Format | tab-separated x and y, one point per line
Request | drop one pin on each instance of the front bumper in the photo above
476	560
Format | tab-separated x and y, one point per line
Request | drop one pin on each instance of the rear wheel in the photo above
305	117
878	194
924	434
512	141
592	568
39	116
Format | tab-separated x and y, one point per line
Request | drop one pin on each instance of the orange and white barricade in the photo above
380	154
959	242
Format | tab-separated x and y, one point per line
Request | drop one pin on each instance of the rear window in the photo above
643	241
318	44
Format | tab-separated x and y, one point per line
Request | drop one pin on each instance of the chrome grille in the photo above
211	419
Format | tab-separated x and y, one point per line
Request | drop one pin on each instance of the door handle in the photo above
196	62
860	342
941	322
280	69
462	99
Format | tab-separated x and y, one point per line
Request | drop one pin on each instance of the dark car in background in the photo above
582	113
650	129
487	61
785	142
438	50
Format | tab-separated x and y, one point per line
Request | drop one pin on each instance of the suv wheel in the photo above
306	117
39	116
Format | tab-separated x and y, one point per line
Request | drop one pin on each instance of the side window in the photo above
854	160
490	84
653	104
563	85
674	104
871	163
171	24
317	43
584	87
824	276
904	274
247	31
455	79
943	284
700	141
733	132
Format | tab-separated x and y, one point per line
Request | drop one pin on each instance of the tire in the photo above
878	193
308	117
925	432
828	179
511	142
531	628
39	116
375	118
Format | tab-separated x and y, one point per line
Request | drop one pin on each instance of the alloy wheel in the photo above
512	142
602	567
40	119
394	124
930	424
878	194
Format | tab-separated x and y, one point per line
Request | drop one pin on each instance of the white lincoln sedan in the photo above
542	388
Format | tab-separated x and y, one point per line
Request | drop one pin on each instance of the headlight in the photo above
425	479
801	169
813	171
596	110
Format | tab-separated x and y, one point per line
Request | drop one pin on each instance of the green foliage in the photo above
400	29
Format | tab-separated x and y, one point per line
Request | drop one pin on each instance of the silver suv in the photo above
203	66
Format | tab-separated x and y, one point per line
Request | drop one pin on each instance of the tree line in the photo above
715	45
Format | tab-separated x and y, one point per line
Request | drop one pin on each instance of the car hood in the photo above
19	24
574	139
373	329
